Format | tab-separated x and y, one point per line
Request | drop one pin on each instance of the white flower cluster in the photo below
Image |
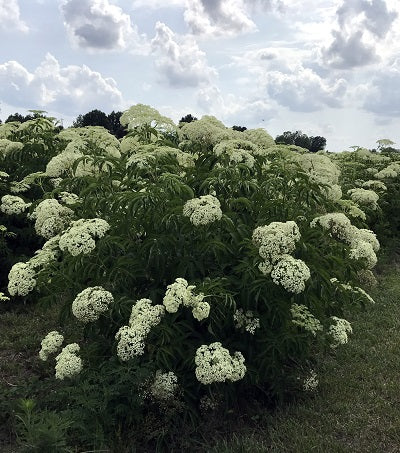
203	210
311	382
79	237
62	163
364	197
320	169
391	171
339	331
69	364
208	131
90	303
164	386
215	364
351	209
19	187
291	273
140	114
21	279
132	338
337	223
275	240
353	289
259	137
12	205
374	185
51	343
237	151
7	146
302	317
363	243
22	276
51	218
69	198
180	293
246	321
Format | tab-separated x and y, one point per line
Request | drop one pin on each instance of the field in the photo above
195	288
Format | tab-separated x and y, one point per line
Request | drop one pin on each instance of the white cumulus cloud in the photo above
99	25
10	16
179	60
70	89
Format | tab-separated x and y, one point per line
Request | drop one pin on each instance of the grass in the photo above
356	407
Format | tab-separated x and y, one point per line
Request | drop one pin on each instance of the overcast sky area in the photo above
326	67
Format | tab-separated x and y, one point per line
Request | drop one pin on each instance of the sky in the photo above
325	67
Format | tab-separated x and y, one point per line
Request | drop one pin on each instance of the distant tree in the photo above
95	118
239	128
78	121
297	138
318	143
115	127
18	117
187	118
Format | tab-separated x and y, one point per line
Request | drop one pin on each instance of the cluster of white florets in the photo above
353	289
352	210
302	317
203	210
91	303
319	168
246	320
164	386
51	343
374	185
141	160
21	279
7	146
69	198
337	223
391	171
259	137
207	131
51	218
13	205
363	243
339	331
181	293
291	273
275	240
68	363
62	163
215	364
144	317
19	186
80	236
364	197
237	151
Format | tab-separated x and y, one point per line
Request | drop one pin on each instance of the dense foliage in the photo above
193	266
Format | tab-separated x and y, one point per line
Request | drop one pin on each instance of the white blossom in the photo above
90	303
339	331
302	317
215	364
51	343
68	363
13	205
291	273
203	210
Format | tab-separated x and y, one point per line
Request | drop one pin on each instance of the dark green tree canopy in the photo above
239	128
98	118
187	118
313	144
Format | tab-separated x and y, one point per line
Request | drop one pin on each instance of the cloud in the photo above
99	25
218	17
287	76
383	94
179	60
71	89
234	109
362	25
10	16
